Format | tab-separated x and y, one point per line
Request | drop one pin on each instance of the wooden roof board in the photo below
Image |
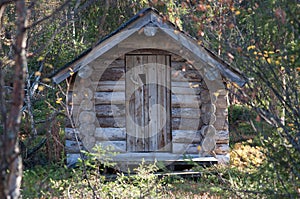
135	24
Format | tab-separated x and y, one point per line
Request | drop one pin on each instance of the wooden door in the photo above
148	103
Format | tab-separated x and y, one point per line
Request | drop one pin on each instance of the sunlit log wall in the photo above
198	115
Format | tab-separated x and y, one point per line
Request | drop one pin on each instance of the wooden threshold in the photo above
170	160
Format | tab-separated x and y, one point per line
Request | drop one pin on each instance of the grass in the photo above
249	175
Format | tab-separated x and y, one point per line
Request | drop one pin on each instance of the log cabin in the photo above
151	92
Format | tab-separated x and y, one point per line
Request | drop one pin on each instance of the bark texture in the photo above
10	159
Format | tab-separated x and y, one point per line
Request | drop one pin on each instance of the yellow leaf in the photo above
237	12
49	65
269	60
46	80
58	101
277	62
41	58
250	47
41	88
37	73
198	147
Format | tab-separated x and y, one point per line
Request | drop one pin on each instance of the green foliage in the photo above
260	38
240	113
88	180
247	178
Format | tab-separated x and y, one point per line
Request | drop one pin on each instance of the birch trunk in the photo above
10	159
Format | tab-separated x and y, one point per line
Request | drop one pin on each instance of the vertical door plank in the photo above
161	116
152	79
168	104
138	119
146	105
130	106
148	102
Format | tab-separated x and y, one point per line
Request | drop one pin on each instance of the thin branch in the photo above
50	15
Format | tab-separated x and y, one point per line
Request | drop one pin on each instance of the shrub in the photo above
88	181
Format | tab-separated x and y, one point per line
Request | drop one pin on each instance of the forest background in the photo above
260	38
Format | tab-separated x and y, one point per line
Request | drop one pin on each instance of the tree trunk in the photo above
10	159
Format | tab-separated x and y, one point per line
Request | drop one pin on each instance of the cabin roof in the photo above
143	18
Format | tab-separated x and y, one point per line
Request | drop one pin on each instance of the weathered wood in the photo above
110	74
87	117
117	110
153	120
208	118
139	51
186	76
105	63
110	86
151	157
70	134
183	148
185	90
203	55
185	101
186	113
113	122
85	72
205	96
208	144
87	129
88	142
137	103
222	149
208	131
86	105
72	159
73	146
168	144
221	112
82	82
221	123
222	137
111	134
185	136
163	99
109	98
160	40
186	124
130	141
221	92
147	94
208	107
77	96
113	146
190	84
222	101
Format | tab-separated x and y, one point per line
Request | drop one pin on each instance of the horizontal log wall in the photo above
189	92
191	109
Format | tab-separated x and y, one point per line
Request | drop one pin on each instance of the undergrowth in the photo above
260	167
